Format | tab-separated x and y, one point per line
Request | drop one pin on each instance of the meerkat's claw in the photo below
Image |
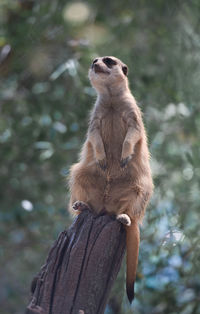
124	161
102	164
79	205
124	219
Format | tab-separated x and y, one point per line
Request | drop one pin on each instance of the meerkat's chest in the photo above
113	131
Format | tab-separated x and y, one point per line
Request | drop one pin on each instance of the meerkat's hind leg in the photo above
124	219
80	206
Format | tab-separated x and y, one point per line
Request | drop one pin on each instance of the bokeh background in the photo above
46	48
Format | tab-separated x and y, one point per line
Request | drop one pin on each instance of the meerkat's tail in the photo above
132	247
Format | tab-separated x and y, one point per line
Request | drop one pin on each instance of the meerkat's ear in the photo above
125	69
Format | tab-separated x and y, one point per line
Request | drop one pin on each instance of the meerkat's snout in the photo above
99	67
94	63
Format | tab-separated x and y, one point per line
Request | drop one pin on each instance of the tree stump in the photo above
80	268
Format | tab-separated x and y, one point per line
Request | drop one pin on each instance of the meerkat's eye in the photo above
109	62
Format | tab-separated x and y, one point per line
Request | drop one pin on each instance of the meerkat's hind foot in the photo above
80	206
124	219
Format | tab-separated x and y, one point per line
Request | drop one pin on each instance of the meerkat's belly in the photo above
113	131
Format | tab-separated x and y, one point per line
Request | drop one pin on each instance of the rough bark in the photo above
80	268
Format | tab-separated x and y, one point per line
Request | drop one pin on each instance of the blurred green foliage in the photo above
46	48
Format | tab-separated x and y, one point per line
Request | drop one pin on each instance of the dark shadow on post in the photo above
80	268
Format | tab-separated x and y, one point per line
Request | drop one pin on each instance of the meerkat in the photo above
113	173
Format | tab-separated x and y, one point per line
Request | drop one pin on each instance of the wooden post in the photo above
80	268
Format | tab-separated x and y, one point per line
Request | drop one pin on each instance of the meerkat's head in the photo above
108	73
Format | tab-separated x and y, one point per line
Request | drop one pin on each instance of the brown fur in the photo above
113	173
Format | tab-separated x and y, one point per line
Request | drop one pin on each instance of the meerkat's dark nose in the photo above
97	68
93	63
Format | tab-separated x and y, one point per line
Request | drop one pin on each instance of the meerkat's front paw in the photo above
80	206
102	164
124	161
124	219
